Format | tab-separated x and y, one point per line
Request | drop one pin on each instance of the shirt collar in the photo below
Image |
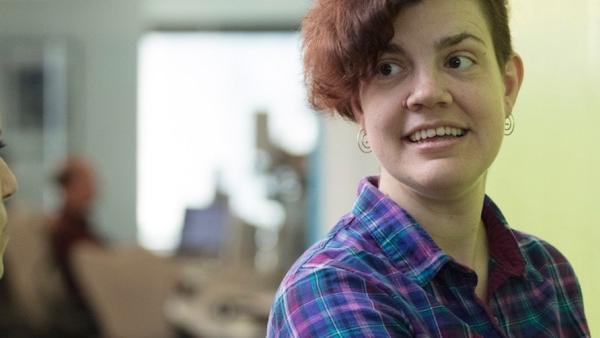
503	246
404	241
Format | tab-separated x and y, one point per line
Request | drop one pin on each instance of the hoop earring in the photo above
363	142
509	125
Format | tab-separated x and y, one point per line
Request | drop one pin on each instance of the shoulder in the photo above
330	301
348	247
546	263
543	256
337	288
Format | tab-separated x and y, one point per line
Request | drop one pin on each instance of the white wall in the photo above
104	38
343	166
207	13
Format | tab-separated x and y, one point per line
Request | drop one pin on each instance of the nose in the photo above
8	181
429	90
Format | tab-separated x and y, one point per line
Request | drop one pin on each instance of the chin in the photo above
445	185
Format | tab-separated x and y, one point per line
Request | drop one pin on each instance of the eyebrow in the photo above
445	42
456	39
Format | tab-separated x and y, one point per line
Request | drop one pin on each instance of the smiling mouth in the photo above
426	135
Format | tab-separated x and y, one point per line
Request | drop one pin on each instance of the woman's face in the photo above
435	111
8	186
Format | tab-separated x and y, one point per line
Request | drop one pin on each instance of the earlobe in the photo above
513	78
359	118
357	111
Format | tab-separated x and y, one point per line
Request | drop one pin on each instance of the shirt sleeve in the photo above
331	302
570	299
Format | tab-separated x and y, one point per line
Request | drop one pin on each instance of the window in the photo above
199	94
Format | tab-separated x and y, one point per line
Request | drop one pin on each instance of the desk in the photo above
220	303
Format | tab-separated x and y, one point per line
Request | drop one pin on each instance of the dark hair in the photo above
69	171
64	177
343	39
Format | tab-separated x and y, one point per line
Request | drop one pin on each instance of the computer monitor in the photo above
204	230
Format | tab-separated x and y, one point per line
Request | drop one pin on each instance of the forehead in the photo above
439	18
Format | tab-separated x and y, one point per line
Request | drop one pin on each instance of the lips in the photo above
430	133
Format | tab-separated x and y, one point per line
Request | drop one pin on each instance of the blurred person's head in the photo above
8	186
77	181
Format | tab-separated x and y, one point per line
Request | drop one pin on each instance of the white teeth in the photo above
440	131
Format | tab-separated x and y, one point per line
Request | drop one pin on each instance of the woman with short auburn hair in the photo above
424	252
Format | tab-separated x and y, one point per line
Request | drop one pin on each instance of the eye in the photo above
386	69
2	144
459	62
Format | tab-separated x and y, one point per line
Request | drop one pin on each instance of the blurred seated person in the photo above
72	225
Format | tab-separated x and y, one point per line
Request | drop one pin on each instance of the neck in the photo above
453	220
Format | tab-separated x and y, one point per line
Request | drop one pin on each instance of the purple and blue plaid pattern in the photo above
379	274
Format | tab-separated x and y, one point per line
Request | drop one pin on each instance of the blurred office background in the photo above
213	172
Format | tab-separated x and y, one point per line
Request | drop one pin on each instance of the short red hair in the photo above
343	39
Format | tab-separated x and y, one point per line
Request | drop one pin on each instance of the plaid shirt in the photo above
379	274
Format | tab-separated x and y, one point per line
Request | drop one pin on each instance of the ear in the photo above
357	111
513	77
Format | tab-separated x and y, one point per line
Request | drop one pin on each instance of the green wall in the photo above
546	177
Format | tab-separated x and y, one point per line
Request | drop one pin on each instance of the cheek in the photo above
490	122
497	116
382	111
489	107
383	127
